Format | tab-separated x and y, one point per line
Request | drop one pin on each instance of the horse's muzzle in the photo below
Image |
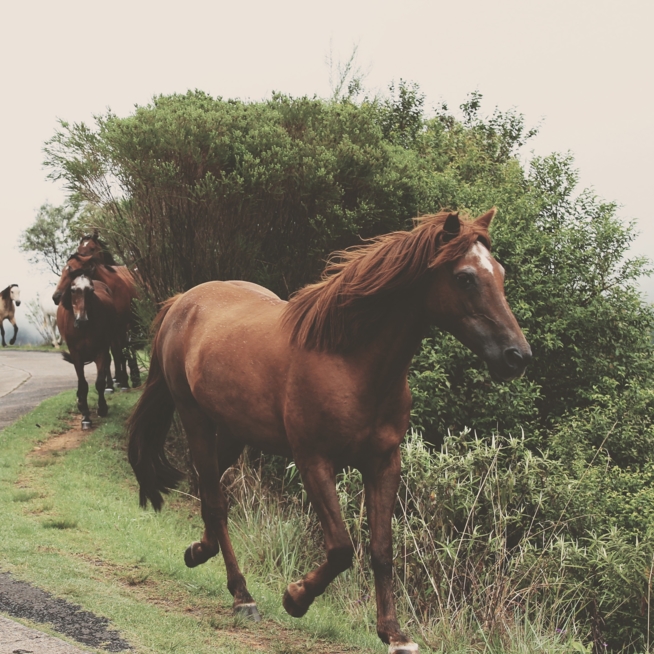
514	362
17	303
56	297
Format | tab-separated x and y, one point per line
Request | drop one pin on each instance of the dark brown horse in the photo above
9	300
322	378
86	319
123	290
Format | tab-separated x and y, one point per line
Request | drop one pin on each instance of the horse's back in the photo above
225	344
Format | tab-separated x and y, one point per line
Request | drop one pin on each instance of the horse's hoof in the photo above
103	412
292	607
86	424
403	648
248	611
188	557
124	389
107	391
194	559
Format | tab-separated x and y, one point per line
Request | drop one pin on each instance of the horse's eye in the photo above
465	280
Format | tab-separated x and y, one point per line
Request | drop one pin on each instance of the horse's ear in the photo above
451	227
485	220
95	234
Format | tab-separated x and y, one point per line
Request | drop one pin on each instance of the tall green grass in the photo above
498	549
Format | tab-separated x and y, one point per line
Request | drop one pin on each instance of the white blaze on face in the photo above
15	294
81	283
483	256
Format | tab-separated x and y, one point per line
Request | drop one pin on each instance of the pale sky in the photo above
583	67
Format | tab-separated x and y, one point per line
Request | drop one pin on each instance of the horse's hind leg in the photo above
319	482
102	364
134	372
212	455
13	322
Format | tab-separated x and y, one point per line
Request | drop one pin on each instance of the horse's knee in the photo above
341	557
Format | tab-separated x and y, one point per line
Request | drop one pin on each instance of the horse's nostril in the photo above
514	359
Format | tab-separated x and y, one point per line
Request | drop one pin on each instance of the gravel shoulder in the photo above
26	379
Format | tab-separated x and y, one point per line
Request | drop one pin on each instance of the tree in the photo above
54	235
195	188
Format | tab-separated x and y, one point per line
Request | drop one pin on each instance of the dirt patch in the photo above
61	443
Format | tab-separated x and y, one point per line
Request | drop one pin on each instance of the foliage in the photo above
54	234
195	188
556	514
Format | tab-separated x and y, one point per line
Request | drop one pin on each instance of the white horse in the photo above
9	300
48	315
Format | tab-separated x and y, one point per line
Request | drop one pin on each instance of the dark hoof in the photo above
86	424
188	558
12	341
292	607
103	412
248	612
195	555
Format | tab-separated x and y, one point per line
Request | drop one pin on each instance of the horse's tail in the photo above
148	427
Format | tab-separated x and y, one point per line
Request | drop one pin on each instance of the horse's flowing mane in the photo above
359	284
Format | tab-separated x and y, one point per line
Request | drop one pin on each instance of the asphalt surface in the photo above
26	379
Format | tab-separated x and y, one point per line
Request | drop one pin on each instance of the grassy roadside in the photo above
71	523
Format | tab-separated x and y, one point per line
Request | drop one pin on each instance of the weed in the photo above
25	495
59	524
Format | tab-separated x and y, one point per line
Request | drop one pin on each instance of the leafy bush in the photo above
487	535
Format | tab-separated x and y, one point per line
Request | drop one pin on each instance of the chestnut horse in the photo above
9	300
123	290
90	245
321	378
86	318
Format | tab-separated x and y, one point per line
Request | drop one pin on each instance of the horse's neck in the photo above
387	357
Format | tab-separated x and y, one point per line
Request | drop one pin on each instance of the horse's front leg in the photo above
102	365
13	322
82	393
319	482
381	476
2	331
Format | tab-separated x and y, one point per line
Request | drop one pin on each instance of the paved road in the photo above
17	639
26	379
